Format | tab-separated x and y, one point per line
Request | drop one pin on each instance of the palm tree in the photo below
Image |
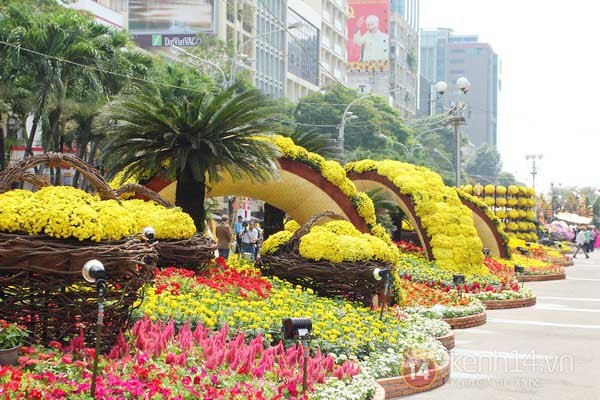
192	138
49	43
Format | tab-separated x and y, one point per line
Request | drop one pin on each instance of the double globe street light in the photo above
456	113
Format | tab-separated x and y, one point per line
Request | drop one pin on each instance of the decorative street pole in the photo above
534	171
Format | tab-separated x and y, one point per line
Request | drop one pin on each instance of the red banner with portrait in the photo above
368	44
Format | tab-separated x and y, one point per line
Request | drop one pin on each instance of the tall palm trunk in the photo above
190	194
36	120
34	126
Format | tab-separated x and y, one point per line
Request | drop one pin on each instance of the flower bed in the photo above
339	327
447	340
509	303
550	276
420	270
512	294
158	361
408	247
467	322
521	297
475	307
428	377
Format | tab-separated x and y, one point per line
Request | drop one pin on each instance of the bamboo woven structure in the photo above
349	280
41	284
20	171
186	253
143	192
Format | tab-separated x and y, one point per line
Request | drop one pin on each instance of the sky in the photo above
550	98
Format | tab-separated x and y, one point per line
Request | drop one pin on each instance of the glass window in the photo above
303	48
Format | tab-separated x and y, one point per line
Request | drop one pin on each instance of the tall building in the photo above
433	66
404	50
480	64
447	57
271	48
303	73
383	51
333	40
282	62
106	12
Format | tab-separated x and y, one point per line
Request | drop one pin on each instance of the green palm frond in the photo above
201	133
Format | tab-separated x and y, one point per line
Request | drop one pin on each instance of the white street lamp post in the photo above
239	53
345	117
457	119
534	170
187	53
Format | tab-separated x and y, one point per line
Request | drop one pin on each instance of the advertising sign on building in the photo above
368	44
170	22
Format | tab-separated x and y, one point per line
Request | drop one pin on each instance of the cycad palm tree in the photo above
191	138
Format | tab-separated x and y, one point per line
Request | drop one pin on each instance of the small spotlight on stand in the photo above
458	280
149	234
379	274
93	271
486	251
299	329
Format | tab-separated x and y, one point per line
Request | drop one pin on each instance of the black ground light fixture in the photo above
458	280
299	329
379	274
93	271
150	234
486	251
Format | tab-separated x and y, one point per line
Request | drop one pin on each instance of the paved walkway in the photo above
549	351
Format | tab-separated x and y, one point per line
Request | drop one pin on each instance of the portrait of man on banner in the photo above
374	43
368	40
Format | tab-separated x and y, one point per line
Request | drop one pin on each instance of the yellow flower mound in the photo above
489	201
66	212
454	240
339	241
334	173
291	226
275	241
169	223
336	241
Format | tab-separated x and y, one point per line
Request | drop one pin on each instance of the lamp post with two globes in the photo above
534	170
457	118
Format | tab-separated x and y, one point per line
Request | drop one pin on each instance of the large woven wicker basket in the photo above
353	281
186	253
41	285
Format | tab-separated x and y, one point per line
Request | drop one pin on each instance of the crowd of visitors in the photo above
243	238
586	239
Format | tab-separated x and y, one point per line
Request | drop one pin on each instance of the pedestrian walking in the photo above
224	237
238	228
580	240
593	235
250	239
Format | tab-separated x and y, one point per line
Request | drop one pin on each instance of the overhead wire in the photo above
99	69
